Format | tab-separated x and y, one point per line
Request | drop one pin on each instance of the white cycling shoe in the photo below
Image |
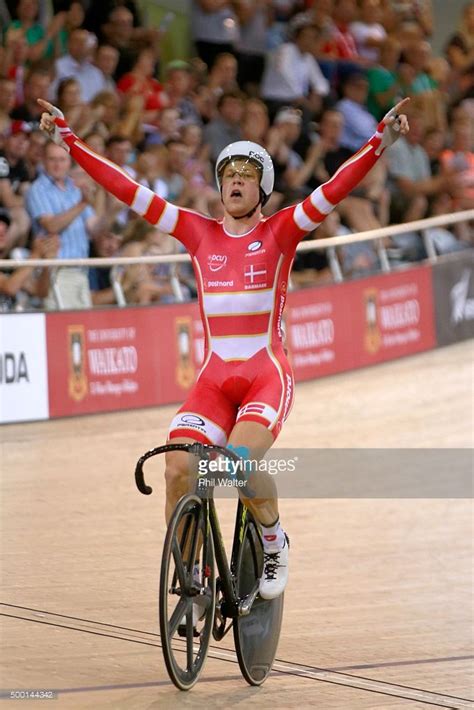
275	571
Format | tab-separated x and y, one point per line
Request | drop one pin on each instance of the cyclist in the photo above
244	391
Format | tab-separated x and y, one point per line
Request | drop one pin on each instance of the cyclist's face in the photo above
240	187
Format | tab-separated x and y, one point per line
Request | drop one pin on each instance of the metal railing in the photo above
331	244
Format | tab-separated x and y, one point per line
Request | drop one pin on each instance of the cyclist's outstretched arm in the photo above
298	220
167	217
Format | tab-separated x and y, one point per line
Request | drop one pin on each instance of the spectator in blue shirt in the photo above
359	124
57	206
78	65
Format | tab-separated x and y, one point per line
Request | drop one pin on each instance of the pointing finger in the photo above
401	104
46	105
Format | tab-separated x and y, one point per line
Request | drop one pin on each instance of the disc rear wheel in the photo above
256	635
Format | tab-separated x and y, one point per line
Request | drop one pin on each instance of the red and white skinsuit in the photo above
242	282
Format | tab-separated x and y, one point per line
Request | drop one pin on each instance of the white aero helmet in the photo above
255	154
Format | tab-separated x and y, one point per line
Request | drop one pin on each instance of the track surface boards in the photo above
378	611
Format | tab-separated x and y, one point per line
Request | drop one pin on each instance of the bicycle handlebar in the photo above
198	449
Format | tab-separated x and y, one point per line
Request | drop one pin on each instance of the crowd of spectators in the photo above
308	79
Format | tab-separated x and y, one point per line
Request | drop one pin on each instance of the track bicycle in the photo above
200	594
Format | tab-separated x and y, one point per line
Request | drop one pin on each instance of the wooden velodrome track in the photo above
378	611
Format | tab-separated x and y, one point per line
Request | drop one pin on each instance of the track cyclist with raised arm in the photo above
244	391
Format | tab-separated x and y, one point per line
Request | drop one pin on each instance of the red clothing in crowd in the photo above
149	88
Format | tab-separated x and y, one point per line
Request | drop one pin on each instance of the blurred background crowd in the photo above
307	79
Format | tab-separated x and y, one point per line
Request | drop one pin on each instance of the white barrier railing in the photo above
393	229
330	243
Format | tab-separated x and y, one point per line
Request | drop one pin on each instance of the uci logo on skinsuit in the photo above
216	262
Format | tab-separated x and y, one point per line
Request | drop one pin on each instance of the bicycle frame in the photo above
232	606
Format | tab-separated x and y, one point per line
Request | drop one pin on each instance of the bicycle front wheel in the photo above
256	635
187	592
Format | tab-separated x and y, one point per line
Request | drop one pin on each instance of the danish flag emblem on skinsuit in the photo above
252	408
255	274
